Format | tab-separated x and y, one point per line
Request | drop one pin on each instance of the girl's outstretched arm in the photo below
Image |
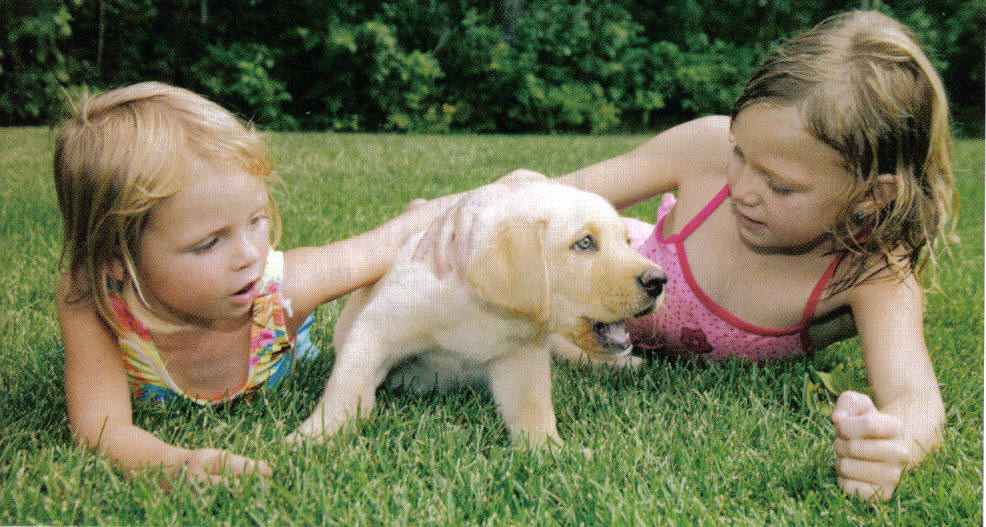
99	410
315	275
878	439
686	151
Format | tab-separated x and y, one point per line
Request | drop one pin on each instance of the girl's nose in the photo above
247	252
743	188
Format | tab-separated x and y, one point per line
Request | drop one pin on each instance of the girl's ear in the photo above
116	270
883	193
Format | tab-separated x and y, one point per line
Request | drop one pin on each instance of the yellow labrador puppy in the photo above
547	259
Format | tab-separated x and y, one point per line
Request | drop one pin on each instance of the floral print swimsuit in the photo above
271	356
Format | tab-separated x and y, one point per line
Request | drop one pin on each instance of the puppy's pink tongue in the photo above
614	334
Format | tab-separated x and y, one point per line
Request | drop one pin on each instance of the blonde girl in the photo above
172	288
800	220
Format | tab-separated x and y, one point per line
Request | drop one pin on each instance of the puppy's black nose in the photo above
653	281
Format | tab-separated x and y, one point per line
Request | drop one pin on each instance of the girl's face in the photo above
204	249
786	187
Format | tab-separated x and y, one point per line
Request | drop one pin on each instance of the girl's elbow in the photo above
93	430
86	433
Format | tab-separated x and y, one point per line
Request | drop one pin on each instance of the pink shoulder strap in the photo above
699	218
816	293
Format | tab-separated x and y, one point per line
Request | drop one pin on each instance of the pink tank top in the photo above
689	323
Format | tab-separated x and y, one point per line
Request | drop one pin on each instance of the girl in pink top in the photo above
802	219
689	323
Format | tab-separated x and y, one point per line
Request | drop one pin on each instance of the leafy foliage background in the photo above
438	66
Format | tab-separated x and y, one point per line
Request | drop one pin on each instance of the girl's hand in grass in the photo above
871	449
210	465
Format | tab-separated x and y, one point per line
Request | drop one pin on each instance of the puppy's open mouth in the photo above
613	336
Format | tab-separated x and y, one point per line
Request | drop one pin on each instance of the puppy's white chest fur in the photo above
447	335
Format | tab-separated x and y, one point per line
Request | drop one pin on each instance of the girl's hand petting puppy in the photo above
448	240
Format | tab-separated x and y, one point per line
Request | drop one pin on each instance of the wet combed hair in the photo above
864	87
120	154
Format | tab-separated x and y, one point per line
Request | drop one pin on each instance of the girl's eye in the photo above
205	246
258	219
588	243
784	191
737	152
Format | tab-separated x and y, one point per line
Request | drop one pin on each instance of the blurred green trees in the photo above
428	65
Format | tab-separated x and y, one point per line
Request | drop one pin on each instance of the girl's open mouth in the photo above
246	294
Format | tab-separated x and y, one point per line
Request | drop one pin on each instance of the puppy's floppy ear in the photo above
511	271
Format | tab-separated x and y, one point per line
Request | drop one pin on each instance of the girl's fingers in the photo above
879	450
864	490
220	463
877	474
443	247
245	466
415	203
441	243
850	404
463	243
203	477
870	425
449	239
428	241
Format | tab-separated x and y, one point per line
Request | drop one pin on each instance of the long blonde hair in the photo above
864	87
120	154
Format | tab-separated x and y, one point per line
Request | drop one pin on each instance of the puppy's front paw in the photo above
310	431
522	175
628	362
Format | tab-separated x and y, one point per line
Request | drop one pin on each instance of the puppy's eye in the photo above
587	243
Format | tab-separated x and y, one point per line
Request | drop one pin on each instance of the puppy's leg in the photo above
361	365
565	350
354	305
521	387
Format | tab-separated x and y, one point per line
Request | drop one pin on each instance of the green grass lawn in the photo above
682	444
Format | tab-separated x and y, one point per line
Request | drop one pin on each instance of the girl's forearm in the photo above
923	418
130	447
339	267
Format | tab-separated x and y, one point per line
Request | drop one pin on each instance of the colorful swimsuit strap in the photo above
721	312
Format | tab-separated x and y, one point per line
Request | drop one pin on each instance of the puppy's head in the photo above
562	258
599	280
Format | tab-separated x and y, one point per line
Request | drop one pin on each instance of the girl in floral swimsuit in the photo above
172	288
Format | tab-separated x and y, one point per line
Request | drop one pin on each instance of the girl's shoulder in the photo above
696	136
702	145
880	275
702	152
